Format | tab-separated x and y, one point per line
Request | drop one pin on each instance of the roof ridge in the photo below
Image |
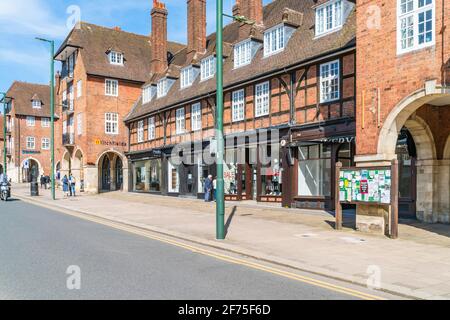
32	83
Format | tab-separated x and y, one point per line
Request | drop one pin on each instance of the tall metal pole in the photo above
4	133
220	200
52	117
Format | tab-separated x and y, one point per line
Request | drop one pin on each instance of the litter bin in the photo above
34	189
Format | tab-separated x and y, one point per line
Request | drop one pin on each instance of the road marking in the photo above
149	234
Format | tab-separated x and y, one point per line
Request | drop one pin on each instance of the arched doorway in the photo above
77	169
106	174
119	174
30	170
407	158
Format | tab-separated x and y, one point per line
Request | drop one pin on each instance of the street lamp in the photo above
52	112
4	130
220	198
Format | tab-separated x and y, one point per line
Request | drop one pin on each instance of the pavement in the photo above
417	265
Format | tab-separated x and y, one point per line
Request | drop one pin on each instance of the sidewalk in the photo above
416	265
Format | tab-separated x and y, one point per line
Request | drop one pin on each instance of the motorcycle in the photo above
5	191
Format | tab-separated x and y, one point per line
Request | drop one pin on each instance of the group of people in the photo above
45	181
210	189
69	185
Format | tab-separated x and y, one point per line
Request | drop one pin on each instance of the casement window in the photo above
262	99
180	125
31	143
274	40
415	24
111	123
162	87
140	131
71	65
64	129
80	124
116	58
45	144
71	97
187	77
111	87
151	128
208	68
79	88
329	17
31	121
329	81
196	117
238	105
242	53
45	122
147	94
36	104
64	99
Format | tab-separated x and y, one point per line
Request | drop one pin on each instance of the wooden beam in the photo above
337	202
394	200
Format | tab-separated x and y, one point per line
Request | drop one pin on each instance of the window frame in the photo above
260	110
116	61
187	77
328	80
240	61
414	14
80	123
162	88
46	121
79	88
208	68
180	121
238	106
47	145
147	94
36	104
29	139
196	118
269	40
140	131
323	20
31	121
112	93
113	121
151	128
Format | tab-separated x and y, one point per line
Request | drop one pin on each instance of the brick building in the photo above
403	55
103	70
28	131
292	72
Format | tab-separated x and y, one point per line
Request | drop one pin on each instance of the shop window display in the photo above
314	177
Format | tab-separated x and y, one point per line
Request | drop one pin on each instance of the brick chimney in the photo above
237	8
159	37
196	27
252	10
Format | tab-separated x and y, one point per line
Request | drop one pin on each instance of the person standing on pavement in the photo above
72	183
65	183
208	188
42	181
215	189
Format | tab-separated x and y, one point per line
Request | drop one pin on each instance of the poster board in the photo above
365	185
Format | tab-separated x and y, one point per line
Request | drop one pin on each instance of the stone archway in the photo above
78	169
31	170
66	164
112	171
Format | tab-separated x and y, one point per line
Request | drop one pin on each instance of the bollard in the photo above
34	189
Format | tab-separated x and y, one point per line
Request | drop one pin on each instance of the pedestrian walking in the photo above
208	188
65	183
72	183
42	179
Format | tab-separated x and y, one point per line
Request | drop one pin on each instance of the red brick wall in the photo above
379	66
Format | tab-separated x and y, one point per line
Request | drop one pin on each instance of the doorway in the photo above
106	174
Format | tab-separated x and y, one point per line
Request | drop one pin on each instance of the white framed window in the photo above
71	97
31	121
262	99
162	88
146	94
151	128
80	124
79	88
208	68
31	143
64	129
64	99
140	131
274	40
415	24
196	117
45	144
187	77
242	53
329	81
36	104
238	105
111	87
45	122
111	123
329	17
180	124
116	58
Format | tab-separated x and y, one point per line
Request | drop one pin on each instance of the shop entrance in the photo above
188	179
119	174
407	155
106	174
30	171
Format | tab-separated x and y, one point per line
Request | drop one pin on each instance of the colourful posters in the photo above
365	186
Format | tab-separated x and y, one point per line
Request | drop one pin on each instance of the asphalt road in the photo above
38	246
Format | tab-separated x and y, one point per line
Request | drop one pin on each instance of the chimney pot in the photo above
159	37
196	27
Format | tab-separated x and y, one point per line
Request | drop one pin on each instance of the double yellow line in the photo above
226	258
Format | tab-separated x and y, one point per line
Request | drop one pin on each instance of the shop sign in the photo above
365	185
30	152
338	140
100	142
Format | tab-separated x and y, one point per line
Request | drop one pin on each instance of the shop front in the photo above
147	172
310	164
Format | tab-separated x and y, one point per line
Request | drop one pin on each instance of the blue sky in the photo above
25	59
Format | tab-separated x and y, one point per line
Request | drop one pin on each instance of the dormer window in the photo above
116	58
163	87
188	76
243	53
208	68
148	93
37	104
329	17
276	39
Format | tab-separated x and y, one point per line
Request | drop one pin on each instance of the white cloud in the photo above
36	59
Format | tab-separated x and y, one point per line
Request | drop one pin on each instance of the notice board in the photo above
365	185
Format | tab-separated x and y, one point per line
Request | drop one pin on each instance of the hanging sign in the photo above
365	185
